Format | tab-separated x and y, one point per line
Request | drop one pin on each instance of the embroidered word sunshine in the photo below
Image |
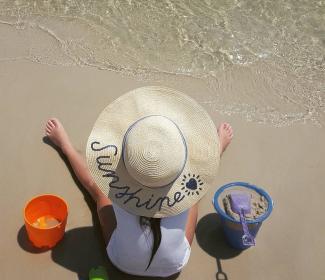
124	193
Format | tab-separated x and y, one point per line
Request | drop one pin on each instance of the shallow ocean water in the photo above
261	59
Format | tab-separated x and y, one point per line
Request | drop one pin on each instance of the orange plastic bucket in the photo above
45	220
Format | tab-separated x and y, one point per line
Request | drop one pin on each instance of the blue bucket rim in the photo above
247	185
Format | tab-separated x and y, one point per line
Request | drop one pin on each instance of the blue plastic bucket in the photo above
231	227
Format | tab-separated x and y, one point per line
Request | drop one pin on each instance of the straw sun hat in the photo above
154	152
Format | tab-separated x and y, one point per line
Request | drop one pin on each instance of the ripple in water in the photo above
262	59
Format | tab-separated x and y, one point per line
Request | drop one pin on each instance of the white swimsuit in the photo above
130	246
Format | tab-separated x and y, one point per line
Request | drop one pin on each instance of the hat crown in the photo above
154	151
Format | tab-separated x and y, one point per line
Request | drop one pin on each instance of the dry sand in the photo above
288	162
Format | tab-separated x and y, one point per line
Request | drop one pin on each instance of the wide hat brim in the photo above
105	161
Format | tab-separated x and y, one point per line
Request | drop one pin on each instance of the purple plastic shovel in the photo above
241	204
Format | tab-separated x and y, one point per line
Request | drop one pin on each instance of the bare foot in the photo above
225	135
55	131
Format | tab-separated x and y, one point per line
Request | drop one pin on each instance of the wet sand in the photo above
288	162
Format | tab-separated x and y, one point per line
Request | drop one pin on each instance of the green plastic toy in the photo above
98	273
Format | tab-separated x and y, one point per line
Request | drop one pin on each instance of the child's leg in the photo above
225	135
57	134
191	223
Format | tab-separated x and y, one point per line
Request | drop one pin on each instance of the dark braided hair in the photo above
156	232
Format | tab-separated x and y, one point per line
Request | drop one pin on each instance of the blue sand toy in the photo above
241	204
232	228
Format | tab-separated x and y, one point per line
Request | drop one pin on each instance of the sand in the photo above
287	162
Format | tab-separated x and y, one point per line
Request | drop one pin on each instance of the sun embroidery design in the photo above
191	184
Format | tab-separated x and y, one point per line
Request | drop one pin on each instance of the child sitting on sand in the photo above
151	156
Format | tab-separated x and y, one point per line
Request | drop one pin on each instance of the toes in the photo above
231	133
225	126
222	126
227	129
49	126
55	121
51	123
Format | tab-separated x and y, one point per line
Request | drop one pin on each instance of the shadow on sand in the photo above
211	239
79	251
81	248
